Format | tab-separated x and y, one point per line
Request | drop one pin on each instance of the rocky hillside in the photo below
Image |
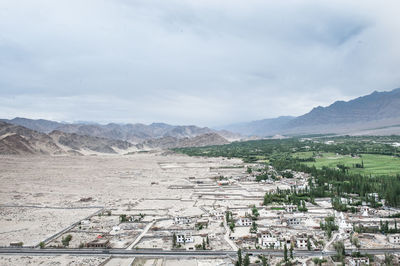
374	107
207	139
134	133
80	143
21	140
41	125
18	140
376	113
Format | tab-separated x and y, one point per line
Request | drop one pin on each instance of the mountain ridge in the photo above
134	133
19	140
362	114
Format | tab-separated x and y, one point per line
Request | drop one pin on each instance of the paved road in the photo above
226	236
141	235
161	253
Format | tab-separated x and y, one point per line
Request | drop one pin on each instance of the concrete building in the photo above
394	239
185	237
358	261
291	208
301	242
268	239
85	224
293	221
182	220
244	221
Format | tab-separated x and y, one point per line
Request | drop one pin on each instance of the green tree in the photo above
173	240
246	261
264	260
239	255
65	241
123	218
355	242
285	254
291	251
249	171
255	212
318	261
204	244
340	250
388	259
254	228
41	244
308	244
227	214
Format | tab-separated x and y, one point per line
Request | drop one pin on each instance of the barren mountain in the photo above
134	133
18	140
207	139
376	113
41	125
374	107
79	142
15	145
260	127
21	140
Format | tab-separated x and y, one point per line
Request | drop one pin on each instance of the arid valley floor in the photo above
163	201
43	195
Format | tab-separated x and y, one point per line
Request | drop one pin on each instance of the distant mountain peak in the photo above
378	109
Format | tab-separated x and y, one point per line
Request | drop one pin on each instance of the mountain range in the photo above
20	140
134	133
376	113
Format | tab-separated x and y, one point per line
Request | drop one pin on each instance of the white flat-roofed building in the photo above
244	221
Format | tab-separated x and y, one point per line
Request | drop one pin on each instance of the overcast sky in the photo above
197	62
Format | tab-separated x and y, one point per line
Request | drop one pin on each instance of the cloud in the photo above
191	62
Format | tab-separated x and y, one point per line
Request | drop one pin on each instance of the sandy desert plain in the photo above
43	198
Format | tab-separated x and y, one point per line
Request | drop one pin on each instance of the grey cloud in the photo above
197	62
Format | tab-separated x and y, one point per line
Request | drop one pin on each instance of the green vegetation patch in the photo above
374	164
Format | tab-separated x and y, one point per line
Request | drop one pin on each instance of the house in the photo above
244	221
301	242
182	220
290	208
293	221
358	261
223	182
268	239
185	237
116	228
286	241
364	211
85	224
345	227
375	196
98	243
394	239
218	214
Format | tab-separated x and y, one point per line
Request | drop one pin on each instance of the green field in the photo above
373	164
303	155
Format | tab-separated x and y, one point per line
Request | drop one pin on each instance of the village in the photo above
223	209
